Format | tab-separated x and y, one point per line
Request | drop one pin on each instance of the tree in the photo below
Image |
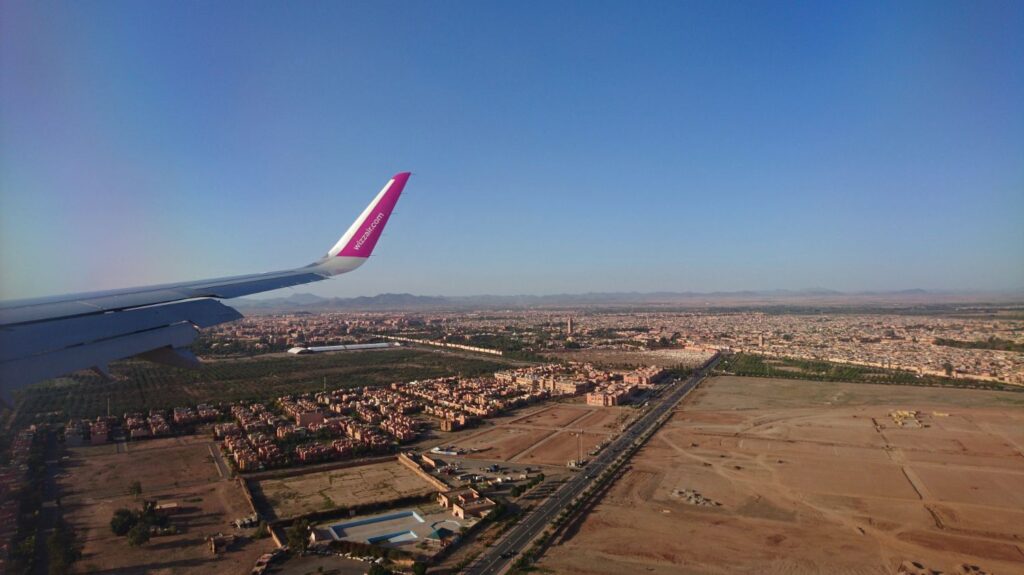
149	516
26	548
63	548
419	568
123	521
135	488
497	512
138	535
298	536
949	369
377	569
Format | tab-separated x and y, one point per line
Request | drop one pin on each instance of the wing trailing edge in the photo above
43	338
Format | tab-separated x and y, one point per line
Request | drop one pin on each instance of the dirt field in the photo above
158	464
560	448
179	470
556	416
544	436
811	478
503	443
319	491
603	419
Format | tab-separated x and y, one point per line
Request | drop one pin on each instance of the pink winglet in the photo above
362	242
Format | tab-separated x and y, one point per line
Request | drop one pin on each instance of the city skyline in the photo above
554	149
724	287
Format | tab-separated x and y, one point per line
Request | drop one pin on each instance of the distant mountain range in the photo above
814	296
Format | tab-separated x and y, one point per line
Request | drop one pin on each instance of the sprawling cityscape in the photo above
494	288
933	345
494	469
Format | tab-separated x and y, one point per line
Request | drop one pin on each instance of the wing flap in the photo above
41	338
19	372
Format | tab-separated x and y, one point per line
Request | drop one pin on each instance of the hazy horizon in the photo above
563	148
810	293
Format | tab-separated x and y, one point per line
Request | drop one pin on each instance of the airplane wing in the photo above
46	337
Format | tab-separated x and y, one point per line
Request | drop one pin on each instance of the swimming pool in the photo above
399	537
395	527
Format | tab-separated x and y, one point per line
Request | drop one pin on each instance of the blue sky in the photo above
556	146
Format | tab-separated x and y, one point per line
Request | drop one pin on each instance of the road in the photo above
498	557
50	511
222	468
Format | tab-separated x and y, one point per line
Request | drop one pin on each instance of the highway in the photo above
498	557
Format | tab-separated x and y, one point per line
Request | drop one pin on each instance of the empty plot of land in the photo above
851	477
603	419
807	484
562	447
323	490
554	416
983	521
108	470
169	470
996	488
953	442
966	462
503	443
735	393
852	431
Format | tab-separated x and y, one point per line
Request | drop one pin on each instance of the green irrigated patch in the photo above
140	385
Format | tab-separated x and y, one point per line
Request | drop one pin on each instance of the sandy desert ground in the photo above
814	478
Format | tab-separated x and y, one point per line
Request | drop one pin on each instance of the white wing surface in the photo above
47	337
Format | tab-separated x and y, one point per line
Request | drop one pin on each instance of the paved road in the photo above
498	557
222	468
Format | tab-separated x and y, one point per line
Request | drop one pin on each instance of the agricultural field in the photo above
140	385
